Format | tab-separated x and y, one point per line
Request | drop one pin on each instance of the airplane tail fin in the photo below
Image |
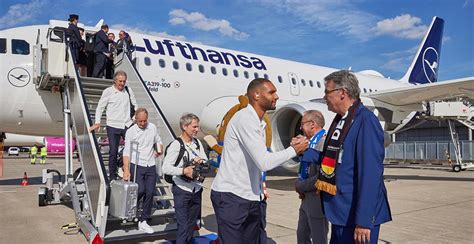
424	68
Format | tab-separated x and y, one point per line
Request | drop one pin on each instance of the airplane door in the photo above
294	84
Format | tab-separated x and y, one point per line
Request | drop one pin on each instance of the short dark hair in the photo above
254	84
104	26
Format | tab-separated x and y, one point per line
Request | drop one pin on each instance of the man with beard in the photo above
236	190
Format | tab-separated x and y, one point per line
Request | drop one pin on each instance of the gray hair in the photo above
347	80
315	116
187	119
120	72
141	110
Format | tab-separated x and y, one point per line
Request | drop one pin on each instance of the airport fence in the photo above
428	150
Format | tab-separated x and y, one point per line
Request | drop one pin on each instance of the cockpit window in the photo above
3	45
20	47
57	34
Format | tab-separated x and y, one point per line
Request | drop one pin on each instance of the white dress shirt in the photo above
245	156
118	107
146	139
170	159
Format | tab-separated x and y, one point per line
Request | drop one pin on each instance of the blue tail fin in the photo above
424	68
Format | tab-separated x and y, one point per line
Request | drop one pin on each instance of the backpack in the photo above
132	108
182	149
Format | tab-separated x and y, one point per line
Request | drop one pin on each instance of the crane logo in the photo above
430	64
18	77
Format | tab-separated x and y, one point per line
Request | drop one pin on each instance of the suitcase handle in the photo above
134	148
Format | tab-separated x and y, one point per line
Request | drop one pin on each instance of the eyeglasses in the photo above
333	90
304	122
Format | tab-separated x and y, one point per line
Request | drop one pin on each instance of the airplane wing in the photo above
440	90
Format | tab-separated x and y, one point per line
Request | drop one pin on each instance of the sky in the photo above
381	35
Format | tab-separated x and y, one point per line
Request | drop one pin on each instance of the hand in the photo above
300	145
198	160
157	154
210	140
361	234
188	171
94	127
126	174
295	140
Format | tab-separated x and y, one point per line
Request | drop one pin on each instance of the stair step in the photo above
163	198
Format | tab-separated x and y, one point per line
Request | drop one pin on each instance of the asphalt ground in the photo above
429	205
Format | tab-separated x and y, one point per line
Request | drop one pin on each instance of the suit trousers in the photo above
345	234
239	220
311	229
99	67
146	180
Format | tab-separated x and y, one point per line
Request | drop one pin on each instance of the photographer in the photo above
187	181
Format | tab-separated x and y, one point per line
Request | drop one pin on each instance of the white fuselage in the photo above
27	110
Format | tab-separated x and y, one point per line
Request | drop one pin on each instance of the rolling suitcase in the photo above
124	194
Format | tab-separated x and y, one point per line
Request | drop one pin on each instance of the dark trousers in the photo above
239	220
263	222
187	206
99	66
345	234
114	135
146	180
109	69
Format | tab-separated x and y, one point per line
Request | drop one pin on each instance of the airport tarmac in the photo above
429	205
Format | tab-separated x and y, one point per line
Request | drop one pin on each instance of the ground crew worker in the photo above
33	152
43	154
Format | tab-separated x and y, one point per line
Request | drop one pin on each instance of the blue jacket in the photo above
361	197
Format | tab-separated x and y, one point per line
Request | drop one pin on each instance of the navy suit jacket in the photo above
101	42
361	197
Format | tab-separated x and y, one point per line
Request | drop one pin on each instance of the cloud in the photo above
399	60
467	4
201	22
147	32
20	13
404	26
341	17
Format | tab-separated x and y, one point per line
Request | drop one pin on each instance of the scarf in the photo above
337	133
305	163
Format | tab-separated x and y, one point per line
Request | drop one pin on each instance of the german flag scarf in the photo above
337	133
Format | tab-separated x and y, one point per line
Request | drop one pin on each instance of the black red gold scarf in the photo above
337	133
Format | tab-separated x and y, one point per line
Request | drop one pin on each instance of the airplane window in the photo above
175	65
293	80
365	90
256	75
280	79
20	47
318	84
265	76
213	70
3	45
189	67
224	71
236	73
303	82
370	90
147	61
201	68
246	74
311	83
57	34
162	63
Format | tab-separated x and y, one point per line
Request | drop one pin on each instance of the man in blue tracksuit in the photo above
351	176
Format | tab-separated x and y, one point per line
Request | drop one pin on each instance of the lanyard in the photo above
192	151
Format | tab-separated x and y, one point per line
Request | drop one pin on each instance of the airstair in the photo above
88	187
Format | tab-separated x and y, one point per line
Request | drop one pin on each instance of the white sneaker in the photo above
143	226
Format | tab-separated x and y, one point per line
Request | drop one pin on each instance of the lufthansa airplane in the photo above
205	80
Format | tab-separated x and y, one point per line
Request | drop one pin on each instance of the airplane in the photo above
189	77
54	145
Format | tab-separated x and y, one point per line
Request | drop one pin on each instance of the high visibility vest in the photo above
34	150
43	151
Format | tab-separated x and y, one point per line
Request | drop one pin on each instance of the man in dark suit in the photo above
74	36
101	50
312	225
351	176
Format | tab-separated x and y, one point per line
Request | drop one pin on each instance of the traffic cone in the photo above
24	182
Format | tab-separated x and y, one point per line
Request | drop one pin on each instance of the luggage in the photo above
124	194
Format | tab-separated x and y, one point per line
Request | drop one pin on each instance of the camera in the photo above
200	170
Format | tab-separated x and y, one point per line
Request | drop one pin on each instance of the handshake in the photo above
300	144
